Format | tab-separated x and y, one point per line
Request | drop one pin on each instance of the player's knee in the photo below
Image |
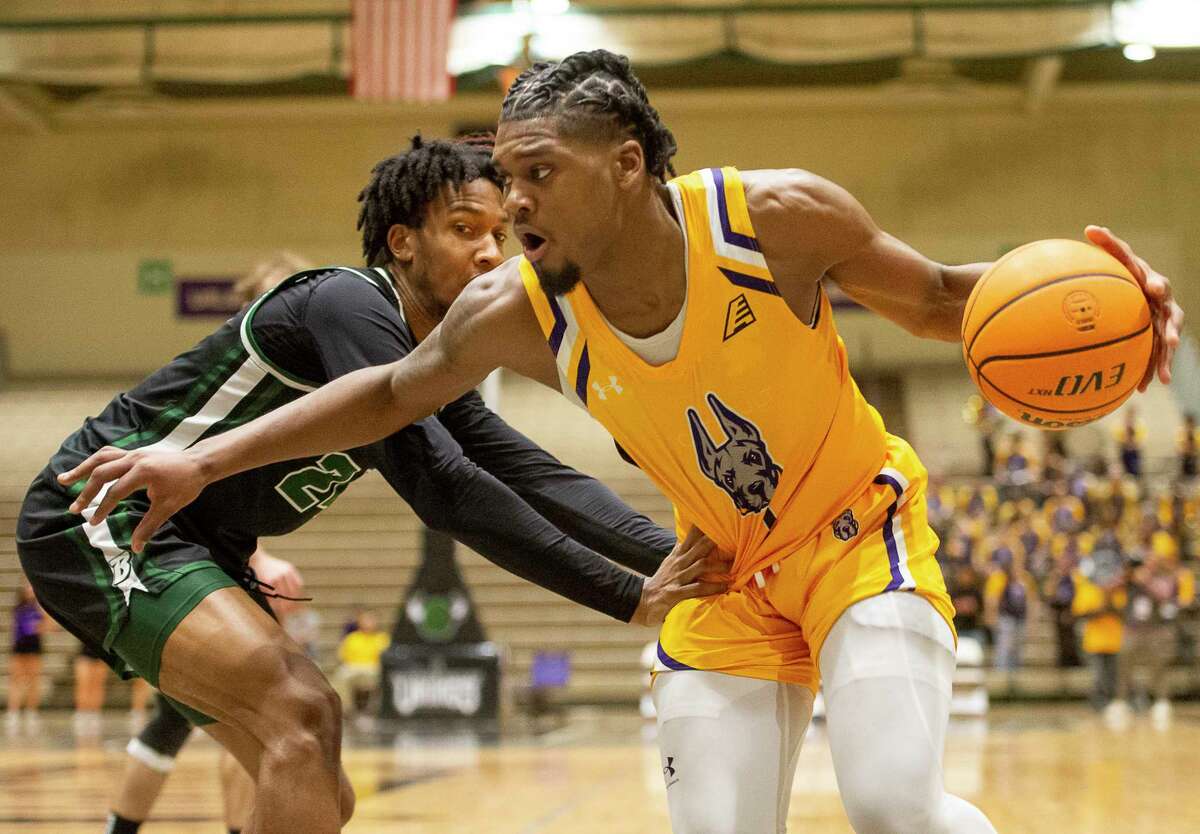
707	807
311	713
880	807
702	818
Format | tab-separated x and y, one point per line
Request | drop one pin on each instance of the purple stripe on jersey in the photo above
889	535
560	324
581	374
768	518
723	210
749	282
670	662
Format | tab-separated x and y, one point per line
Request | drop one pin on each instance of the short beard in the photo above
422	287
558	282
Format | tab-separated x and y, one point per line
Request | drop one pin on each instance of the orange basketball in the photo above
1057	333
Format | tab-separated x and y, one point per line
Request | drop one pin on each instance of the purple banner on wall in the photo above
206	298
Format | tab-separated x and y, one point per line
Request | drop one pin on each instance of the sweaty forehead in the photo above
528	137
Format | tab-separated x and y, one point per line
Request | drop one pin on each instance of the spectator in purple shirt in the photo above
25	660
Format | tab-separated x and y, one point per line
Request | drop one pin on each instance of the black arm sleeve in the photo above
450	493
354	326
579	505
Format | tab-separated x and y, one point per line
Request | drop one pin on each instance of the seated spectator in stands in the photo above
1156	595
1006	604
1099	600
979	501
357	678
1056	463
1189	444
1059	592
1130	436
965	587
1019	471
1064	513
940	508
987	420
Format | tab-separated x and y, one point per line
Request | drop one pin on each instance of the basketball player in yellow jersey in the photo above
688	318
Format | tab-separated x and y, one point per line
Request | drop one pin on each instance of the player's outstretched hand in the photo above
172	480
695	568
1166	315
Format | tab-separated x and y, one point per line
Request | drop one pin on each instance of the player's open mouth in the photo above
534	246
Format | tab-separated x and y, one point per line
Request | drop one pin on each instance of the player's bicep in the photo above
888	276
811	228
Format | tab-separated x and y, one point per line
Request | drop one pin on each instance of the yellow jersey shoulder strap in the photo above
719	227
556	318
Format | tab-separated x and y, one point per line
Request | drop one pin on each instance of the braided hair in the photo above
402	186
591	92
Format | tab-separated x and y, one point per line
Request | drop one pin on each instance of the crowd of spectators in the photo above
1100	550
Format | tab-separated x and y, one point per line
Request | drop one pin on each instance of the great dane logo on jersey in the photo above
845	526
741	465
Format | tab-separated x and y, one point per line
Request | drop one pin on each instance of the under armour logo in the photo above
738	316
612	386
669	771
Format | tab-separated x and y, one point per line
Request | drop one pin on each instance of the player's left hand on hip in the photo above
1166	316
695	568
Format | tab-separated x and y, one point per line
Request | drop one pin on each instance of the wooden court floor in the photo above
1046	769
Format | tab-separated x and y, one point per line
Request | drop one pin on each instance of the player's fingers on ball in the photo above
1152	368
1153	277
1119	249
1175	323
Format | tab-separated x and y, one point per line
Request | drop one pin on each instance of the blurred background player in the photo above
91	686
25	661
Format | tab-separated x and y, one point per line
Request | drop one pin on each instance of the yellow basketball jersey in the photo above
755	431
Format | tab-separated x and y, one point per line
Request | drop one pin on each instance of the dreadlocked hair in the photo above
402	186
589	91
